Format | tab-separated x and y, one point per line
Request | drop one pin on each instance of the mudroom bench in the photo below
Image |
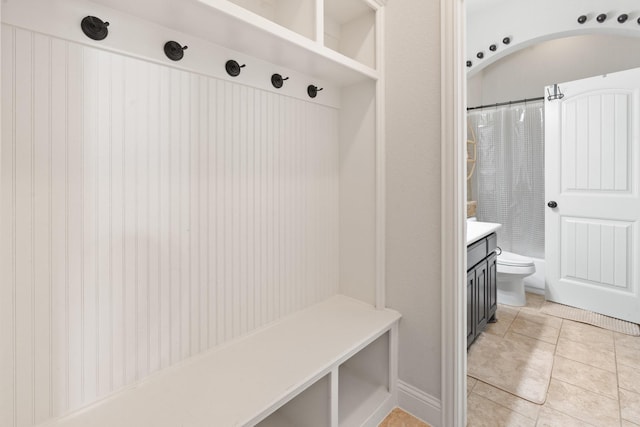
332	364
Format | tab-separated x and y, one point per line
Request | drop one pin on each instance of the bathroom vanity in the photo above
481	277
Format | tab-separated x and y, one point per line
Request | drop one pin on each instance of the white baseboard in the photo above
419	404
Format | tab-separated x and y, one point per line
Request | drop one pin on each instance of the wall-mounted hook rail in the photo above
277	80
313	90
94	28
557	93
233	68
174	50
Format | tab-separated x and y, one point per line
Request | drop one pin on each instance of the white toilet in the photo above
512	269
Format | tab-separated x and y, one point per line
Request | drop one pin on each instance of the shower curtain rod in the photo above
500	104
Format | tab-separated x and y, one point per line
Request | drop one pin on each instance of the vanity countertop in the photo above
476	230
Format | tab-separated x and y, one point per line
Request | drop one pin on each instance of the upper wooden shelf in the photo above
237	28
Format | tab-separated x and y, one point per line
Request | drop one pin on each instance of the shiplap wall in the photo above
147	214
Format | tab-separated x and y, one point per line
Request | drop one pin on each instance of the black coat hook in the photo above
582	19
94	28
506	40
469	63
601	18
493	48
277	80
480	55
174	50
233	68
312	91
623	18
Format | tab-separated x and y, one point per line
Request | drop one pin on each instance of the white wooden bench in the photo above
332	364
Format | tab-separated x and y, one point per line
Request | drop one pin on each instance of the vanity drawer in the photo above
476	252
492	242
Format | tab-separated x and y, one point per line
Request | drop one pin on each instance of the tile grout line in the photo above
562	324
502	405
615	355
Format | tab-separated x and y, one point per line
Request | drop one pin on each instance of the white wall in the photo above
413	189
357	195
525	73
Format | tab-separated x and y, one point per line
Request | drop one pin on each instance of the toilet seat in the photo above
510	263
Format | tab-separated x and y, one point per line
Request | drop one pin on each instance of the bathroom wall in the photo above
525	73
527	23
148	214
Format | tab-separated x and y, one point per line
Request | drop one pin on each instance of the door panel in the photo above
482	306
595	142
471	315
491	284
596	251
592	157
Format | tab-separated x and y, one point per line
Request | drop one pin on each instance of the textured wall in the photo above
525	73
413	186
148	214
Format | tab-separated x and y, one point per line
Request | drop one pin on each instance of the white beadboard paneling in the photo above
148	214
569	146
23	223
623	254
75	224
116	216
41	242
582	141
623	142
7	234
608	156
597	251
59	228
596	143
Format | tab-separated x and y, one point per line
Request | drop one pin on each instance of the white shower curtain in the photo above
509	180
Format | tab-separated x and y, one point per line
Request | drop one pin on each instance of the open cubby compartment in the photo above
350	28
296	15
364	383
310	408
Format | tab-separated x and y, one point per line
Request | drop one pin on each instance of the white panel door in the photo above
591	166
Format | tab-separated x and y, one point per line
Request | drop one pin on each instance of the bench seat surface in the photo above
241	382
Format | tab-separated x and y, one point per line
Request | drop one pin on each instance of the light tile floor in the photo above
595	379
400	418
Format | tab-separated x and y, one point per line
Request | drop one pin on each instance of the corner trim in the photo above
381	164
419	404
453	196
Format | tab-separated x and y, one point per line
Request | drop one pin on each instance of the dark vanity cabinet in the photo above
481	285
